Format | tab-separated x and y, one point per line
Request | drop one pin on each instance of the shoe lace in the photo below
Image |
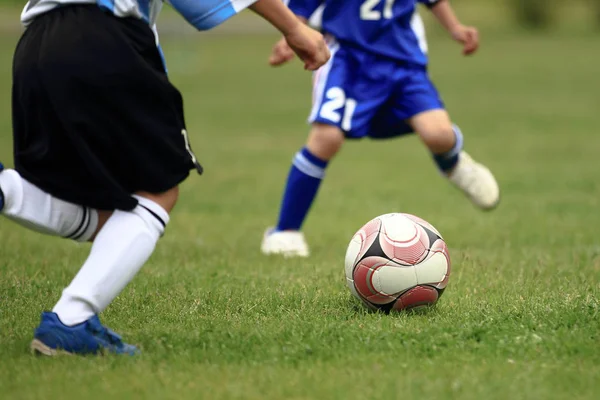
107	334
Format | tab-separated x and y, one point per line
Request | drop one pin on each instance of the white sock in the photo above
35	209
120	249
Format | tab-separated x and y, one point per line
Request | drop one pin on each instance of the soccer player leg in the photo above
431	122
333	117
308	165
443	140
119	251
31	207
304	179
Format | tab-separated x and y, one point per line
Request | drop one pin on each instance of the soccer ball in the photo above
397	262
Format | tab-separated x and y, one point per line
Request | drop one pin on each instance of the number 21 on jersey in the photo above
368	12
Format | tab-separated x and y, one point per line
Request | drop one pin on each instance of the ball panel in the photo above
440	247
371	226
399	229
365	280
421	221
352	254
394	279
433	270
416	297
368	235
405	253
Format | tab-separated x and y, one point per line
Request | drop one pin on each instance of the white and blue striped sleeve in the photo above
206	14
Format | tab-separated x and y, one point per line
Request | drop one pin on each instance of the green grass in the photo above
519	320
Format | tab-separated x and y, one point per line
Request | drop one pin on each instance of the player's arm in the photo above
307	43
303	9
467	35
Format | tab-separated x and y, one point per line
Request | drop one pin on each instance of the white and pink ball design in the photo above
397	262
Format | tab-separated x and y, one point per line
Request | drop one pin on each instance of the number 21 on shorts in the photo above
331	109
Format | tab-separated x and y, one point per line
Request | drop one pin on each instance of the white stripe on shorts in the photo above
320	81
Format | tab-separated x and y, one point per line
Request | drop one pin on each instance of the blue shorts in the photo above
368	95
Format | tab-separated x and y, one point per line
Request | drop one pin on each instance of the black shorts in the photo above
95	116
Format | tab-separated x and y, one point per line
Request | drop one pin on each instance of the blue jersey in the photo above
389	28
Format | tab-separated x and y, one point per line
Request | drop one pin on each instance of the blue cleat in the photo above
52	337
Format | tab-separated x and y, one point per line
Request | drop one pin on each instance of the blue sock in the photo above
448	160
301	188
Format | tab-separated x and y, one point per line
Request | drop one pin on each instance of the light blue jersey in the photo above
389	28
203	14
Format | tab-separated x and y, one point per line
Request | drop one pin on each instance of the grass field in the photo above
216	320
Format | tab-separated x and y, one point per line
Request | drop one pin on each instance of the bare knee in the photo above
166	200
435	130
324	141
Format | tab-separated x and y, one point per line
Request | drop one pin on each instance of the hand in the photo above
281	53
308	44
468	36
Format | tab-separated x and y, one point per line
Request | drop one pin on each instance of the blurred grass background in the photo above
219	321
573	15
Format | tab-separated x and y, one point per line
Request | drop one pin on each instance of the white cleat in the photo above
285	243
476	181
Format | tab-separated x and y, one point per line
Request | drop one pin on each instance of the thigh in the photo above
430	123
